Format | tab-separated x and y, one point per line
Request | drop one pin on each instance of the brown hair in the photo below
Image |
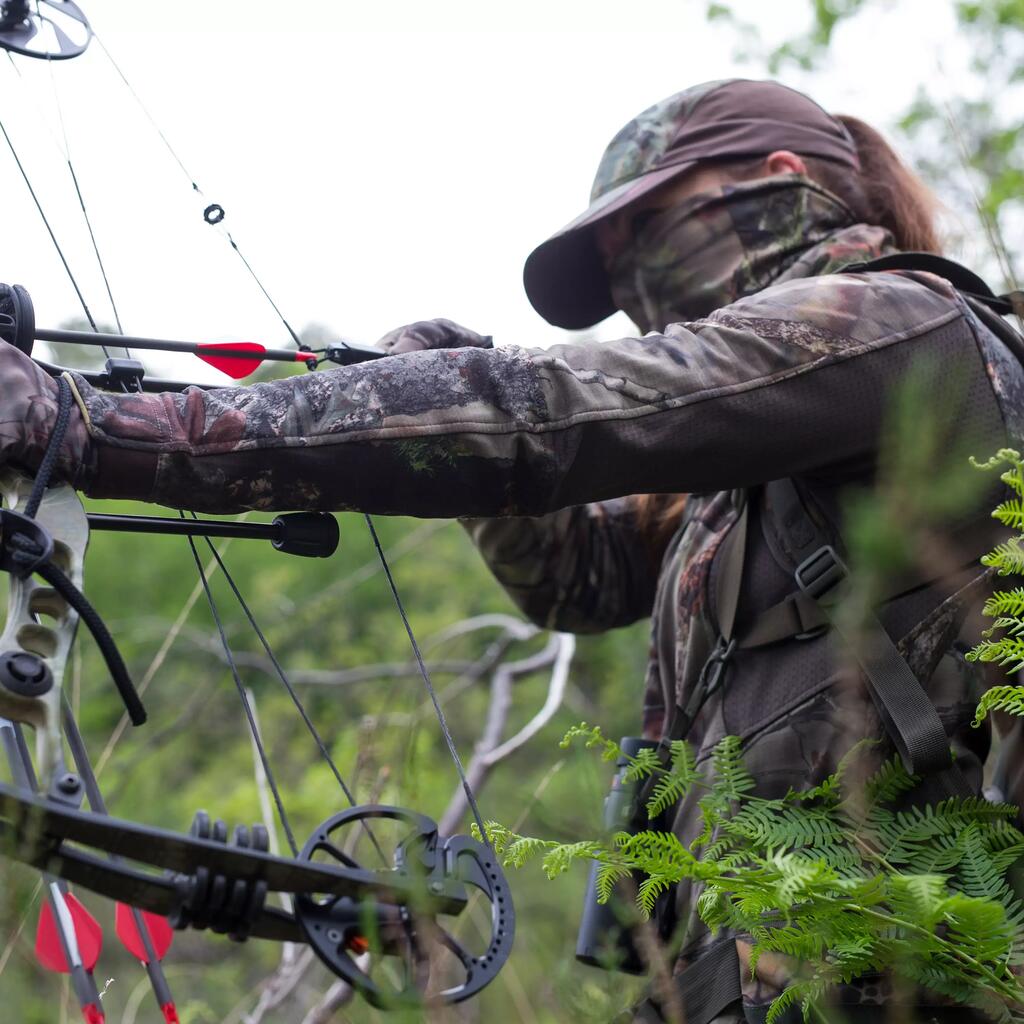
884	192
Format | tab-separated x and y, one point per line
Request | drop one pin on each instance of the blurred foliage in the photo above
337	614
195	752
970	148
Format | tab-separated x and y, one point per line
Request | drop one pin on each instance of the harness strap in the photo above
706	988
732	555
906	711
962	279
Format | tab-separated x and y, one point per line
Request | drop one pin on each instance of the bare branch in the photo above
490	749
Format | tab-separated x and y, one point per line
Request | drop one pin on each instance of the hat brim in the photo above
565	278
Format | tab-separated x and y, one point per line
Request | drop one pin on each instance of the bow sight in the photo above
357	919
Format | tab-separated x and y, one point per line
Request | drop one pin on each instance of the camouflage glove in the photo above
430	334
28	412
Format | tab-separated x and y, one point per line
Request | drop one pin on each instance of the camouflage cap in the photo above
564	276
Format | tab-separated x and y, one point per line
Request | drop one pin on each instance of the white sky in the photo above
379	162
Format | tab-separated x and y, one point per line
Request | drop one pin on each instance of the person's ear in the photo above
782	161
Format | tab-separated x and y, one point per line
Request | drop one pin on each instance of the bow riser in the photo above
41	623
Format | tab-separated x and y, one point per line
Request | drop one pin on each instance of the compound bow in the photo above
206	879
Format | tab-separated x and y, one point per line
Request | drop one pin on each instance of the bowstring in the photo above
49	229
287	684
449	740
199	192
424	673
81	198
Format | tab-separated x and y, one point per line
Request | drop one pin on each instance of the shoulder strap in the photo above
731	557
962	279
906	711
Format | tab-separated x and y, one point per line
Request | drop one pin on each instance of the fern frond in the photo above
1007	558
1013	477
676	782
1005	602
648	892
889	782
771	824
645	763
1010	513
592	736
1000	698
1007	650
561	856
806	994
829	788
607	876
731	778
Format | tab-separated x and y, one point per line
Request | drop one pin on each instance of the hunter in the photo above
695	473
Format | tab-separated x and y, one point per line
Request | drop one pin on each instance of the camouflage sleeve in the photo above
788	381
582	569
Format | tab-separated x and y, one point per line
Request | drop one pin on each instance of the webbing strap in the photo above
962	279
732	555
906	711
706	988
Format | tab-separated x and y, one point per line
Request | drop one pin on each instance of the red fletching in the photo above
88	934
235	367
93	1014
160	935
170	1014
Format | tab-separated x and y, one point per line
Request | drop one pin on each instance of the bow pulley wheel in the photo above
433	965
47	29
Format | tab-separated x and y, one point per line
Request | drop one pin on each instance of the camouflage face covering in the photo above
720	245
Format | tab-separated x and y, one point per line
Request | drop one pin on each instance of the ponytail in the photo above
885	192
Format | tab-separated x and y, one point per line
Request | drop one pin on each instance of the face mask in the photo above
718	246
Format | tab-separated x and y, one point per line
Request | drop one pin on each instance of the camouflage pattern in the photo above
640	145
430	334
706	252
790	381
28	400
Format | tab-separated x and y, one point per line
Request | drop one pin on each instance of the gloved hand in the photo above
28	412
430	334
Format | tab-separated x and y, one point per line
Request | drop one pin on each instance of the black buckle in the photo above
819	572
711	673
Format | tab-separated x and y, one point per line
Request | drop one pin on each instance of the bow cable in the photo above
81	198
213	214
424	673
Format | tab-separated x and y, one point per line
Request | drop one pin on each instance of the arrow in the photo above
148	937
68	941
235	358
68	937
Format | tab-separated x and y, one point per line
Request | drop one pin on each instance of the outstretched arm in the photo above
791	381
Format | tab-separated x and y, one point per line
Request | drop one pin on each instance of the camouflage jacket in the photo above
790	382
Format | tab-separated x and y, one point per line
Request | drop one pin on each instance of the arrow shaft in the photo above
281	355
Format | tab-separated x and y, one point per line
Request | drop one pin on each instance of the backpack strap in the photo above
962	279
732	555
904	707
710	985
